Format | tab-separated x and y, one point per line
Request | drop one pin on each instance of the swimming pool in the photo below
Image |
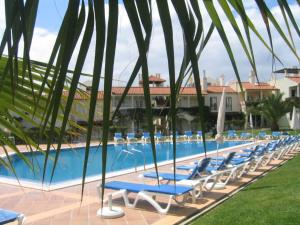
120	157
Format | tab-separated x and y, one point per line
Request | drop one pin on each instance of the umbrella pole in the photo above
217	153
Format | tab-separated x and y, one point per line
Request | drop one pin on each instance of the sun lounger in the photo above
158	136
199	135
276	134
118	137
196	172
131	137
146	136
148	192
231	134
262	135
188	135
245	135
7	216
220	165
215	165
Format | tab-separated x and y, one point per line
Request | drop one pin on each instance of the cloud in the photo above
214	59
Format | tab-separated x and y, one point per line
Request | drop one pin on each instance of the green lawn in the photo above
274	200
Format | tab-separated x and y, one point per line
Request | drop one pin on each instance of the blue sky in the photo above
51	12
214	59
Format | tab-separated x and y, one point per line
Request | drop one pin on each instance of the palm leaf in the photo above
67	49
165	18
134	20
232	20
267	15
84	46
100	43
109	63
182	12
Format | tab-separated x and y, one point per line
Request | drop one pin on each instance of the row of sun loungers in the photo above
130	137
204	175
189	135
232	134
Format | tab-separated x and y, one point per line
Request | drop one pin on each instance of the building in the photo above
131	113
254	92
289	84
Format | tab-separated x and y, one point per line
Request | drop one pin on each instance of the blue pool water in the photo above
120	157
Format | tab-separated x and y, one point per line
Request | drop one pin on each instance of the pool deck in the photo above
64	207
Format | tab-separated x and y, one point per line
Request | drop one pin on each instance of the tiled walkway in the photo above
64	207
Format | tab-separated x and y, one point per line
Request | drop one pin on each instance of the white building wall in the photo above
236	106
284	85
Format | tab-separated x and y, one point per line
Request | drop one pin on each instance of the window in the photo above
213	103
293	93
116	101
228	103
139	102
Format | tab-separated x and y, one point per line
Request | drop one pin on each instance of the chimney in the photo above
204	81
285	73
273	79
221	80
158	75
140	80
252	77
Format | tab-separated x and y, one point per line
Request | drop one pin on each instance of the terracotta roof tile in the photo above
154	91
295	79
219	89
258	86
154	78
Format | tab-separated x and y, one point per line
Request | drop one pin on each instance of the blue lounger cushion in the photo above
135	187
168	176
186	167
7	216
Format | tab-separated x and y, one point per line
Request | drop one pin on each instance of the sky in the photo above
214	60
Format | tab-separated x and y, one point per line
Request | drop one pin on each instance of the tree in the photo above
273	108
42	91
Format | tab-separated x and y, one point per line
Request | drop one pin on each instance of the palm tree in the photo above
273	108
23	81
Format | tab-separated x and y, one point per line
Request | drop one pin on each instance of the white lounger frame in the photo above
147	196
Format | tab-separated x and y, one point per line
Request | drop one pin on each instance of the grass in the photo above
272	200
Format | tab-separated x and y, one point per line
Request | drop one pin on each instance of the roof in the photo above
288	70
166	90
294	78
258	86
219	89
154	79
154	91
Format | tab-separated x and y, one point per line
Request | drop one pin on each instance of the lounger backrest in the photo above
188	133
118	135
130	135
262	134
146	134
199	168
204	163
254	151
226	161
